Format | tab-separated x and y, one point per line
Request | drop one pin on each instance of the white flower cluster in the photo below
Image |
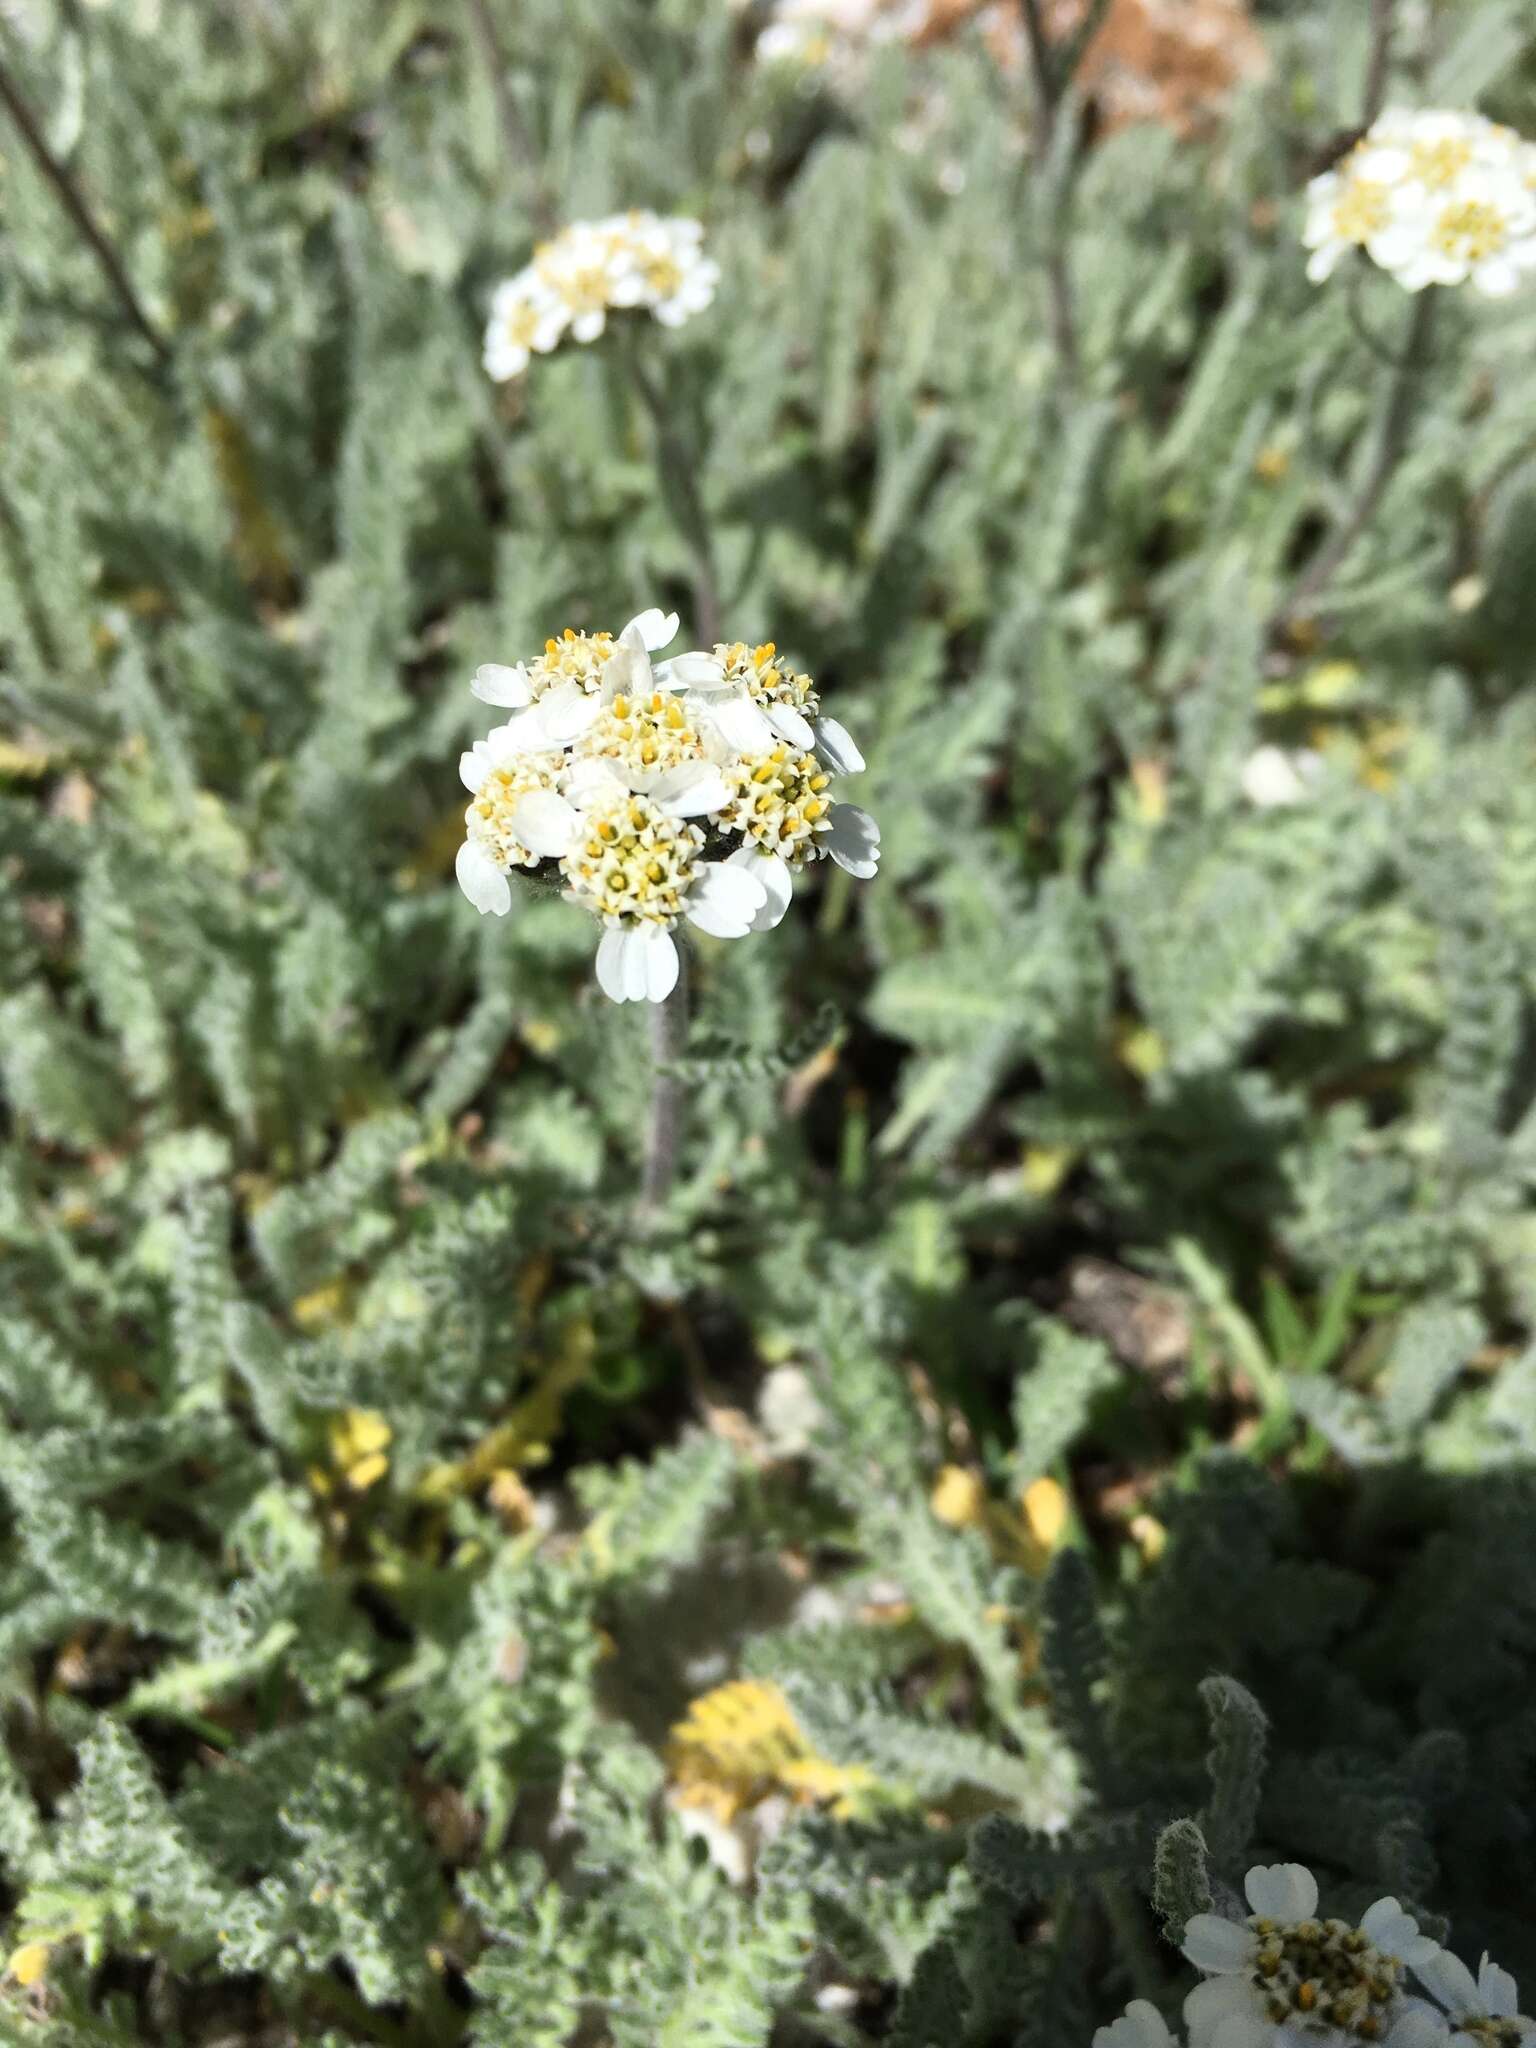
692	788
1283	1978
643	261
1434	198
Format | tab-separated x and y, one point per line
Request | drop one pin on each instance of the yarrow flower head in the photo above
694	788
1284	1977
635	261
1432	197
1478	2012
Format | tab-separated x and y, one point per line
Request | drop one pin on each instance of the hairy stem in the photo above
1393	422
1053	190
677	470
516	140
74	205
1379	62
664	1130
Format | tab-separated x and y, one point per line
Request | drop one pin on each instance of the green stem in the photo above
677	471
1393	420
664	1130
516	140
1133	1937
1379	62
1052	185
73	202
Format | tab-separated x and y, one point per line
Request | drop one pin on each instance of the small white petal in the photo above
854	840
566	711
482	881
522	734
690	672
610	965
1395	1932
1282	1891
691	791
473	769
1417	2028
655	629
1448	1979
588	326
773	876
1215	2001
494	683
724	899
1497	1989
590	782
1497	278
791	725
1218	1946
662	966
835	749
739	722
1141	2025
545	822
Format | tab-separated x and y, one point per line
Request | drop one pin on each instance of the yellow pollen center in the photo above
1440	163
663	276
637	864
1324	1971
1470	229
1360	210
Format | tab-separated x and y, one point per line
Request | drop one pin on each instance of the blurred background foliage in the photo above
1085	1377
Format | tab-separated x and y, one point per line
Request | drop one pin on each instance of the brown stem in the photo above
664	1131
1391	439
1045	89
1379	62
516	140
74	205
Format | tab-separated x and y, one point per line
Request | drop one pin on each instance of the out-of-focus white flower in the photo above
790	1415
664	791
1141	2025
1482	2011
1433	197
661	265
526	319
635	261
1283	1977
1274	776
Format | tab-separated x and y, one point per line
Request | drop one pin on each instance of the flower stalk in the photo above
1048	79
668	1023
73	202
677	474
1389	442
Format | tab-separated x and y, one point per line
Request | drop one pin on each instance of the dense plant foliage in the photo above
1069	1434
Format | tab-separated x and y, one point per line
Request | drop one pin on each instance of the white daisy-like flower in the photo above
636	862
638	260
498	777
526	319
579	268
753	699
1434	197
1141	2025
1283	1976
661	265
1353	205
1480	2012
1479	231
684	789
577	675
